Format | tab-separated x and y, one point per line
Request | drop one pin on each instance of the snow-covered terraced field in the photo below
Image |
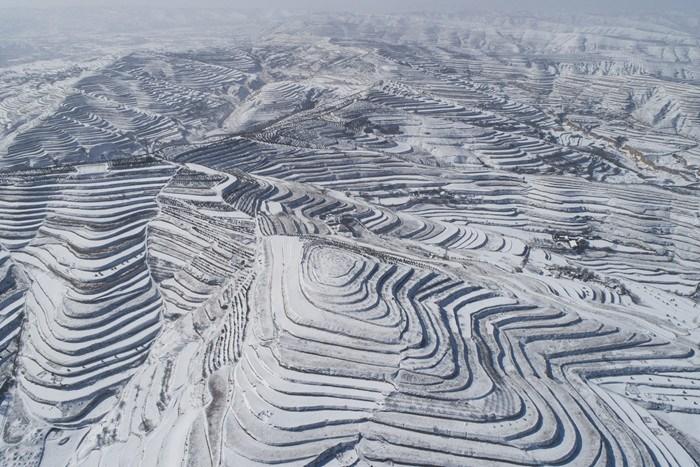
356	241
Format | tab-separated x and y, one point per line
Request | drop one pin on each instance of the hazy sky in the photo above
602	6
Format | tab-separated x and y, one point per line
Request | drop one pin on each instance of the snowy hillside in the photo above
352	240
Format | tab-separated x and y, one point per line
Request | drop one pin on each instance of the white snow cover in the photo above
354	241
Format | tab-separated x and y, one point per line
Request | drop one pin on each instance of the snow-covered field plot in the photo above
354	241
